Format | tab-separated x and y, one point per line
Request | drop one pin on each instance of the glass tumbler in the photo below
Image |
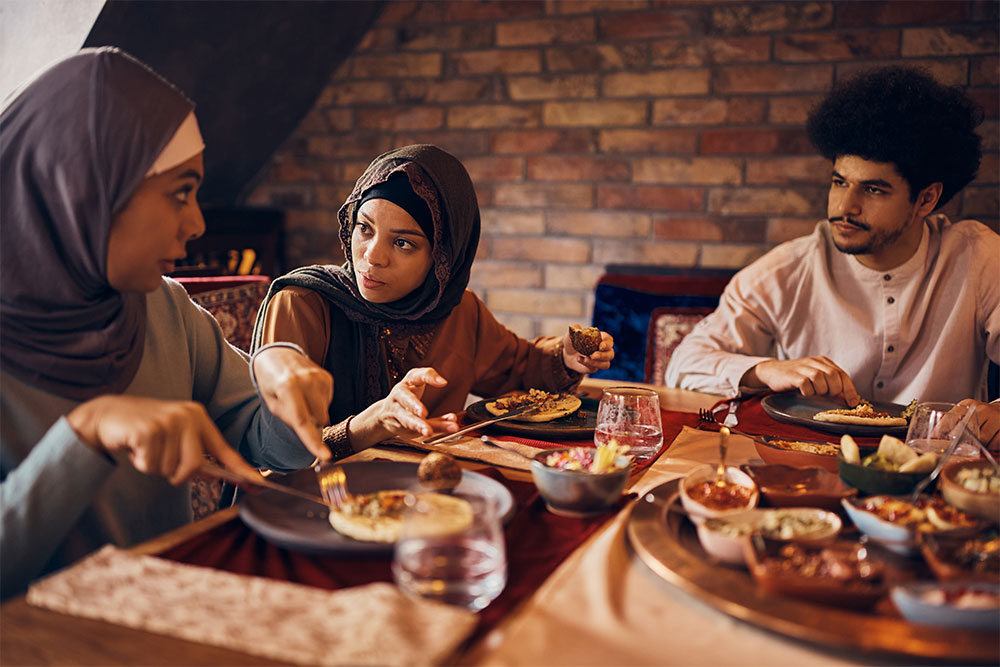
455	562
931	428
630	416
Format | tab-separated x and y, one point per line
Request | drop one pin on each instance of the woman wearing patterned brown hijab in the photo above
395	325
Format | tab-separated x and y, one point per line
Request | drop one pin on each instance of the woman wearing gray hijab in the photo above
115	385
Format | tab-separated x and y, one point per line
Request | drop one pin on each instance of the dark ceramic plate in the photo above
301	525
576	426
798	409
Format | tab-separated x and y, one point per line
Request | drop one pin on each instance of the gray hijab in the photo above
76	144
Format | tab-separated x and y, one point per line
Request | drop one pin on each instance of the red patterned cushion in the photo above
667	328
235	309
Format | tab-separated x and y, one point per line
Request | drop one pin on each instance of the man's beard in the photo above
875	242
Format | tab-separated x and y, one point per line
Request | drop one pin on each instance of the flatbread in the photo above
550	406
863	414
808	447
378	517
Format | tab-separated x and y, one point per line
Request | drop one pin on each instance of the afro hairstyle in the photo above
901	115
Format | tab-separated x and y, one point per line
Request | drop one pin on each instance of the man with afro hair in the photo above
884	300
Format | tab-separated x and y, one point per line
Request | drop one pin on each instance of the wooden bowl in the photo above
984	504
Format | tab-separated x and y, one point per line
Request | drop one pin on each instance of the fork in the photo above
332	483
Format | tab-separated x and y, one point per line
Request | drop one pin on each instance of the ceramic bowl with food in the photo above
704	497
723	537
840	574
894	521
788	486
973	486
798	453
578	492
963	557
873	481
955	605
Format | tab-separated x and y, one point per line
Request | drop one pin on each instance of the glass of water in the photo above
450	555
630	416
932	425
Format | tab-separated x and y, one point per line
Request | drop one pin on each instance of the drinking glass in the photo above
931	427
631	416
464	566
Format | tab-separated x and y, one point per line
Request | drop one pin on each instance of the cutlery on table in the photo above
504	446
226	475
332	483
446	437
723	447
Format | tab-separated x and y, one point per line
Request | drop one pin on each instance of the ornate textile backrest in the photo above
233	301
667	328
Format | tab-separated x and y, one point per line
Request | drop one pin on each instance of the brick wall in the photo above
664	132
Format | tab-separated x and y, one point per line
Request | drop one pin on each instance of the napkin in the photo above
473	448
363	625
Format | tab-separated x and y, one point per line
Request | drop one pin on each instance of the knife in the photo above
226	475
443	437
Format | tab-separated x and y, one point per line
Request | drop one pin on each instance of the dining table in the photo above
586	596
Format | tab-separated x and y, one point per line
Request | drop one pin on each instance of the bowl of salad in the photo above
581	481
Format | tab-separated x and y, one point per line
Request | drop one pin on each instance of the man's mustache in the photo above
850	221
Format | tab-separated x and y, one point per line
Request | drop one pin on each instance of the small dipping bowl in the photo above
984	504
578	493
788	486
697	510
724	538
931	603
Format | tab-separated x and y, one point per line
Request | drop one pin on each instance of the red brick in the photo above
333	196
990	132
550	249
591	6
753	141
562	276
314	123
444	91
792	110
780	230
707	228
551	87
491	273
512	221
777	171
492	168
657	253
867	13
349	93
818	47
546	31
647	141
495	61
406	12
356	145
378	39
649	25
596	57
444	38
296	219
709	50
980	201
537	302
772	78
710	111
401	118
729	256
771	17
550	195
659	82
950	41
984	71
286	171
340	120
650	198
577	168
493	115
598	223
456	143
491	11
989	169
988	99
542	141
950	71
766	201
697	170
396	65
743	110
599	114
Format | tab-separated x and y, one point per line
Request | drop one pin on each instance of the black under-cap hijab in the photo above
399	191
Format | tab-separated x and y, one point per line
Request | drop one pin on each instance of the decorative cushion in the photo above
667	328
235	309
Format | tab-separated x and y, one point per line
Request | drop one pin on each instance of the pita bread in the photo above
378	517
863	413
849	449
549	406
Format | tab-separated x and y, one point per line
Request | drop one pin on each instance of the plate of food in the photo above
557	416
367	527
822	413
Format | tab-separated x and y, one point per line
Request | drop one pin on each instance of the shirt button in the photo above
891	300
887	277
891	348
879	384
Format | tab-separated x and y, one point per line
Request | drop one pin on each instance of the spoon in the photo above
723	446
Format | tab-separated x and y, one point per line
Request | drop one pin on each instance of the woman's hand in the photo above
298	392
168	438
401	412
597	361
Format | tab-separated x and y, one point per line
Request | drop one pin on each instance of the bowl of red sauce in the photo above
704	495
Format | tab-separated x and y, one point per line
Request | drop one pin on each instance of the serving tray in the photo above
667	543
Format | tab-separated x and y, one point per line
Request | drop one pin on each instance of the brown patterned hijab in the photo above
443	183
77	143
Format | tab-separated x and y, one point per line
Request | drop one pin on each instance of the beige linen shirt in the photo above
922	330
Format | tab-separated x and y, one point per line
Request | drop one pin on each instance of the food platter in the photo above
797	409
578	425
301	525
666	541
